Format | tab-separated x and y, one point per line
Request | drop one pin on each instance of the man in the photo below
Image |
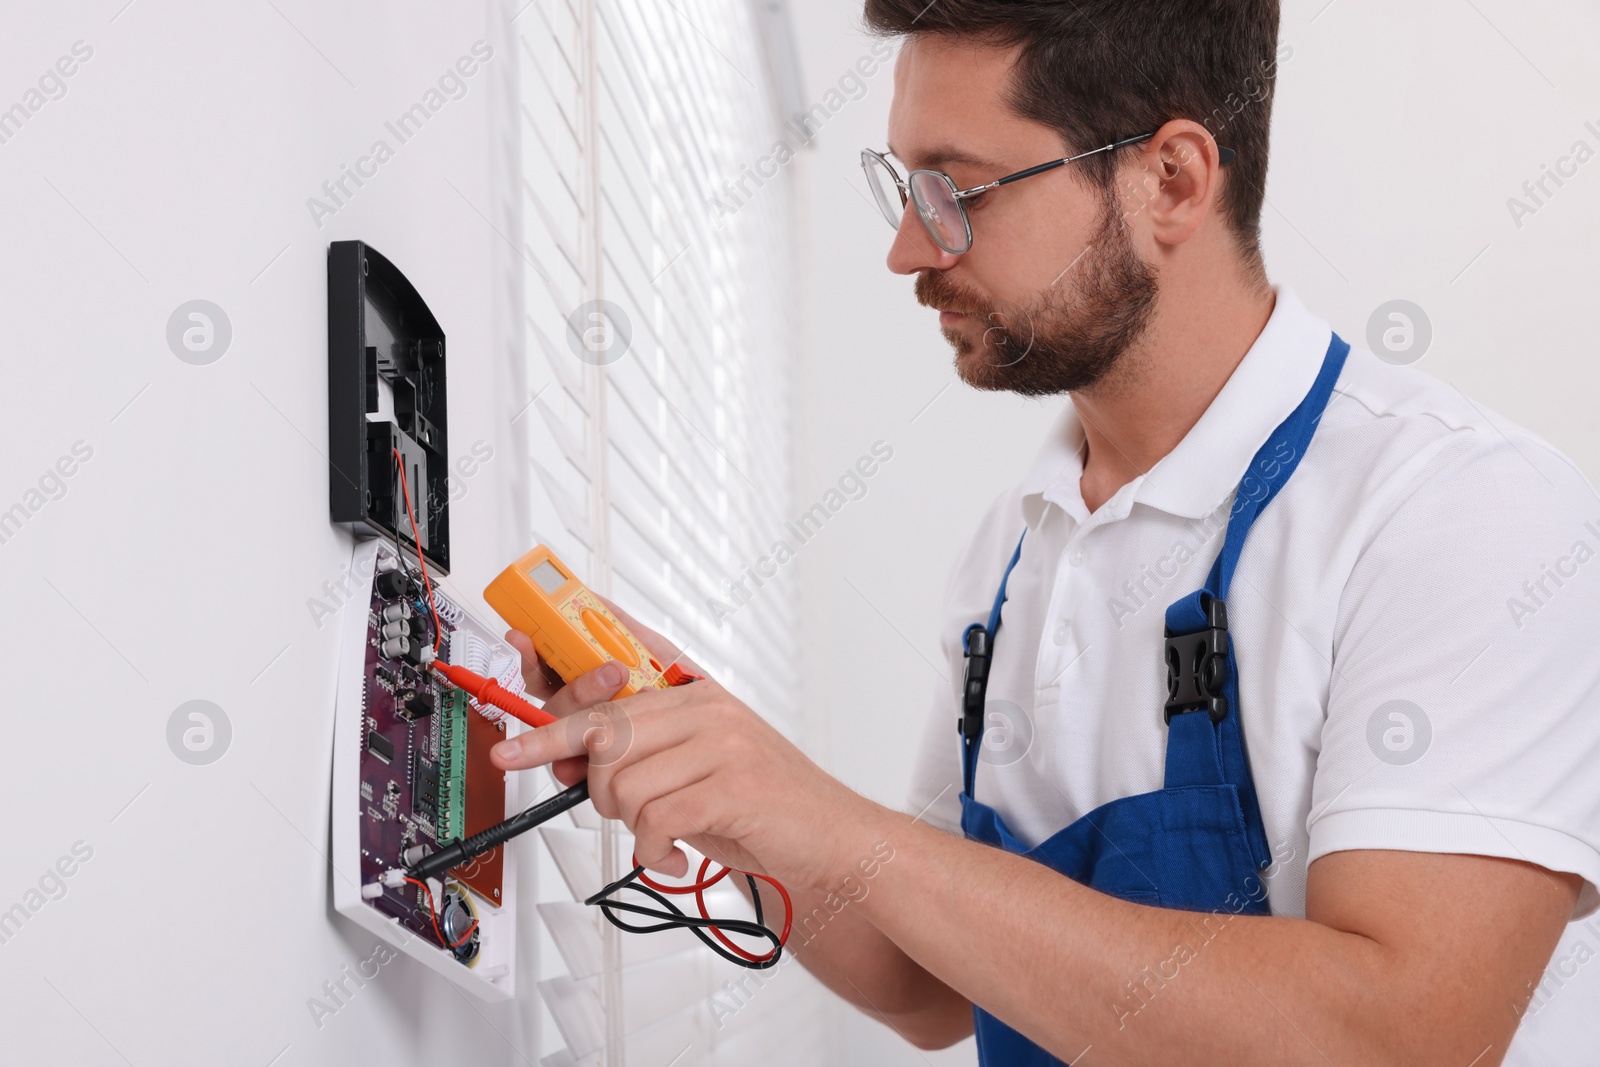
1320	794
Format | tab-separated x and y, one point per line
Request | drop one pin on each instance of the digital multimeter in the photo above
571	629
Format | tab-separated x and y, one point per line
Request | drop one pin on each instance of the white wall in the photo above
179	563
1400	131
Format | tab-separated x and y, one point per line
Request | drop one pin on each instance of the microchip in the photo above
380	746
425	789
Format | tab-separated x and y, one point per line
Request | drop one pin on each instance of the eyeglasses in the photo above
942	207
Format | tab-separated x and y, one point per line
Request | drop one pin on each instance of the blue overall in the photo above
1197	843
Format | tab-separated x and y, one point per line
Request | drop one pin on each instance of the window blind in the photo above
662	470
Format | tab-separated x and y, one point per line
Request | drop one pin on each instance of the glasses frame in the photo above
960	196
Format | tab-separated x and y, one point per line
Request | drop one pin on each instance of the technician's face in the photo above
1052	292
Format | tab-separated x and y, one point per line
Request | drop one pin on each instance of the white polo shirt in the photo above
1415	620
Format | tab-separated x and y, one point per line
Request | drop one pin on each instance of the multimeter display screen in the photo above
547	577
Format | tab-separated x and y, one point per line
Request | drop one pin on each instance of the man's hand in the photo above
693	764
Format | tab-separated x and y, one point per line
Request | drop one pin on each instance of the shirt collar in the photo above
1196	477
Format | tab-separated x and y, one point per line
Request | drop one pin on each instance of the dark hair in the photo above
1102	70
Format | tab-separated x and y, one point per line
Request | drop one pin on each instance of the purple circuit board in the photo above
424	767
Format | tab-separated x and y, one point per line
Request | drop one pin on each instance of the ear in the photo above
1173	184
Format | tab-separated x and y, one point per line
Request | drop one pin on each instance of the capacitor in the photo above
394	612
395	647
398	628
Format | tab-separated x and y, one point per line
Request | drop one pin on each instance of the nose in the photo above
914	249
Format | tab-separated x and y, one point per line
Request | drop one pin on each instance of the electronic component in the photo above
485	804
390	776
380	746
392	585
424	788
571	629
413	704
453	767
386	396
488	665
417	653
458	923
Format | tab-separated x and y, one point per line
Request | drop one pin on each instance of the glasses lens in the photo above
885	190
935	199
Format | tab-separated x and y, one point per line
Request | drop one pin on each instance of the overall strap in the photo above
978	647
1202	671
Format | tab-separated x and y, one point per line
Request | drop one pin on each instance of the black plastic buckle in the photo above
1197	665
975	683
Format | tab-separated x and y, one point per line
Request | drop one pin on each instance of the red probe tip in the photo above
488	691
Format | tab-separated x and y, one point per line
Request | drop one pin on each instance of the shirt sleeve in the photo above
936	775
1463	711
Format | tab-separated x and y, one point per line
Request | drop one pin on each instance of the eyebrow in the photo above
943	155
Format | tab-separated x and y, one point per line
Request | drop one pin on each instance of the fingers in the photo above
595	687
556	743
571	771
537	676
666	820
599	735
662	649
604	733
567	740
624	790
544	683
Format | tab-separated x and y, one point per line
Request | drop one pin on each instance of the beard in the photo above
1066	338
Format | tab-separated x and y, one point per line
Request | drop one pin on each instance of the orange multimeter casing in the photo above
571	629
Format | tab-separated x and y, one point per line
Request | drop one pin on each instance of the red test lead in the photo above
488	691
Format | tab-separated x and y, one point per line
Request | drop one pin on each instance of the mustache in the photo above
934	289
